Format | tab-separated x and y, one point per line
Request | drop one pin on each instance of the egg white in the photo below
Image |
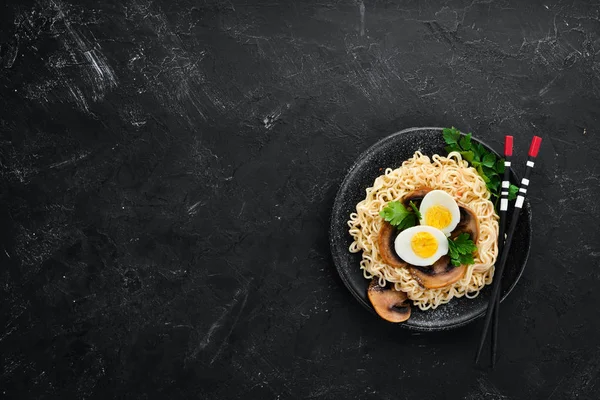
441	198
404	250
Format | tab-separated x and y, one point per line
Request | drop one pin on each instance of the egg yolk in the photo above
438	217
424	244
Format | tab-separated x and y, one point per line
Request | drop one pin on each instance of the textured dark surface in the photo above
390	152
168	170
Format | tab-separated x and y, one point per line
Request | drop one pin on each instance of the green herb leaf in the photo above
480	149
461	250
493	190
396	214
489	160
467	155
467	259
416	210
494	180
482	174
451	135
489	171
464	244
500	166
512	192
453	253
465	142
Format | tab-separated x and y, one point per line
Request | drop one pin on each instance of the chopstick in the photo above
533	152
508	149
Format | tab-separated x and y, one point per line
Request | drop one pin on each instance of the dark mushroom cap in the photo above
468	224
385	243
390	304
415	196
441	274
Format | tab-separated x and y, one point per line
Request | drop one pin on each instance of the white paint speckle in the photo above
192	209
270	119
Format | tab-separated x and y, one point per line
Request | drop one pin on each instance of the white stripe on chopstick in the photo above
519	202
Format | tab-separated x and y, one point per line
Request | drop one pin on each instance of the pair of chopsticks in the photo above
504	244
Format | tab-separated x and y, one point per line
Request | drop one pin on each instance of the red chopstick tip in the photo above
535	146
508	145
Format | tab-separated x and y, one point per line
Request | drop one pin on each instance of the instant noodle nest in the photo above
451	174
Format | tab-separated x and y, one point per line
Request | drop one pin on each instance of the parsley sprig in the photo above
484	161
461	250
399	216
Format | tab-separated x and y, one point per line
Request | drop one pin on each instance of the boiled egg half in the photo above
439	210
421	245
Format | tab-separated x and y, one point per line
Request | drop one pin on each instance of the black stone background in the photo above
168	170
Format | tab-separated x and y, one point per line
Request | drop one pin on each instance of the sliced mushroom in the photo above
390	304
468	224
441	274
385	243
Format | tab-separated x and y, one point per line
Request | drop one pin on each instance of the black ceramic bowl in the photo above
390	152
